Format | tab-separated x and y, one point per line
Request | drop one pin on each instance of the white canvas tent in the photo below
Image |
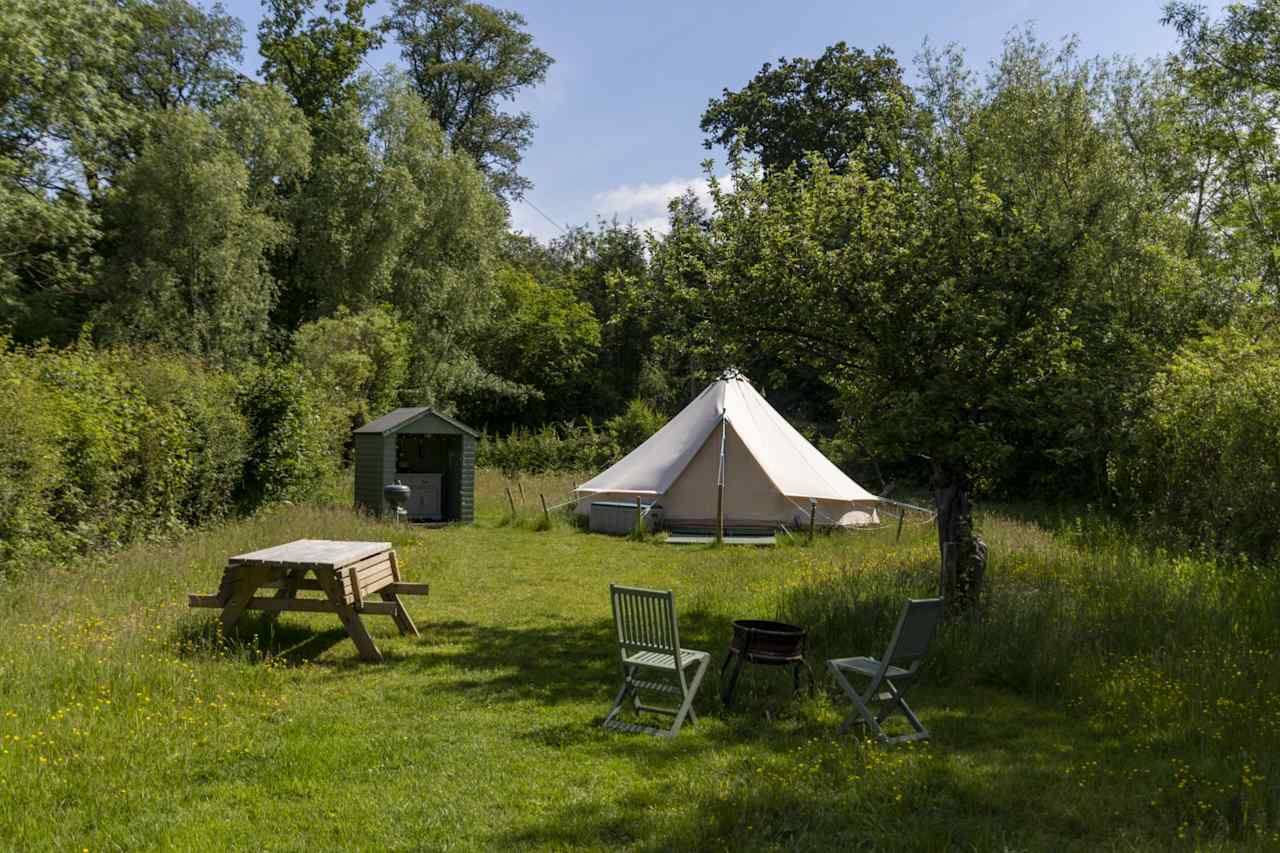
770	471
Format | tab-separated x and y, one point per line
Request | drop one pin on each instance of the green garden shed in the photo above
434	455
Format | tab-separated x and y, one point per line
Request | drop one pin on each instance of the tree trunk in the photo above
963	553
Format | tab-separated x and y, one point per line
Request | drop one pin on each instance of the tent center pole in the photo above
720	488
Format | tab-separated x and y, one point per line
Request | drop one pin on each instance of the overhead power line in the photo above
544	216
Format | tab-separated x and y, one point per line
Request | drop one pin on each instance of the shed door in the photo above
424	495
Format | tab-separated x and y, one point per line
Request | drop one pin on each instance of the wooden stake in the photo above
639	517
512	502
813	517
902	513
545	513
520	486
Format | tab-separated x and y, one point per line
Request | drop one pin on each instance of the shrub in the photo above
103	447
216	433
570	446
358	361
294	436
1204	462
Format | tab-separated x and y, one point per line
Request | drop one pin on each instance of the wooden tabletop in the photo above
328	553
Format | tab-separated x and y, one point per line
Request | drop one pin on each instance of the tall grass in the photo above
1176	653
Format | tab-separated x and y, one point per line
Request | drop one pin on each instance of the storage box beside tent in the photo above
619	517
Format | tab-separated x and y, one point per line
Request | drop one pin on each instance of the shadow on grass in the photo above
257	640
576	661
993	778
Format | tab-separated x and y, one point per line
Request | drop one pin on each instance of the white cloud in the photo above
645	204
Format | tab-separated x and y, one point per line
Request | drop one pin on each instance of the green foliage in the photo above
553	447
182	55
56	109
357	362
543	337
313	56
570	446
272	139
107	447
465	59
391	216
845	105
1002	294
294	435
187	266
1230	77
634	426
1204	466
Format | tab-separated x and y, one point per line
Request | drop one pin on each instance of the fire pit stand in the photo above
767	643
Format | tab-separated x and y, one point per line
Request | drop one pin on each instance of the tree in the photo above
188	239
1011	276
1204	464
358	361
315	58
390	215
465	59
845	105
544	338
1231	71
181	56
56	109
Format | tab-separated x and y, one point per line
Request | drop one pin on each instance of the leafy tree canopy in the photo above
315	56
466	59
846	104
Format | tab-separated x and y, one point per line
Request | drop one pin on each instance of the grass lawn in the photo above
1084	711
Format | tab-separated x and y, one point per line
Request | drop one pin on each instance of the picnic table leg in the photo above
350	618
288	589
245	584
401	617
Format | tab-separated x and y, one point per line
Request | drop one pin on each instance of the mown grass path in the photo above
124	724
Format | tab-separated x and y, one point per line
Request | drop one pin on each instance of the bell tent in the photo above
730	435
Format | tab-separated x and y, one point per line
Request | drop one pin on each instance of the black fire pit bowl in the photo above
762	641
767	642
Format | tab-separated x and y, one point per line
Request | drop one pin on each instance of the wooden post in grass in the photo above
902	513
520	486
512	502
545	513
638	530
813	518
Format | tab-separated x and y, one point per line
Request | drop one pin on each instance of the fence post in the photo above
813	517
512	502
545	514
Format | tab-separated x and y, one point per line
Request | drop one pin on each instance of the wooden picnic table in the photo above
349	574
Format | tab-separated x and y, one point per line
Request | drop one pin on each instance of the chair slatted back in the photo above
645	619
916	627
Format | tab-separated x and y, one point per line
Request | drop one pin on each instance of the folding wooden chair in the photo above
911	639
648	640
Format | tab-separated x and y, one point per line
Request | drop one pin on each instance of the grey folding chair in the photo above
911	639
649	652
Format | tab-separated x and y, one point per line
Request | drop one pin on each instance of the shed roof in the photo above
398	418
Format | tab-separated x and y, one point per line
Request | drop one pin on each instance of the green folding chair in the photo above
899	665
649	652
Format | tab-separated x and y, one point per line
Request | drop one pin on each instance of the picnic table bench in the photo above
350	574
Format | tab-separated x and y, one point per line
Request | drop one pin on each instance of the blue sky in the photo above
618	115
